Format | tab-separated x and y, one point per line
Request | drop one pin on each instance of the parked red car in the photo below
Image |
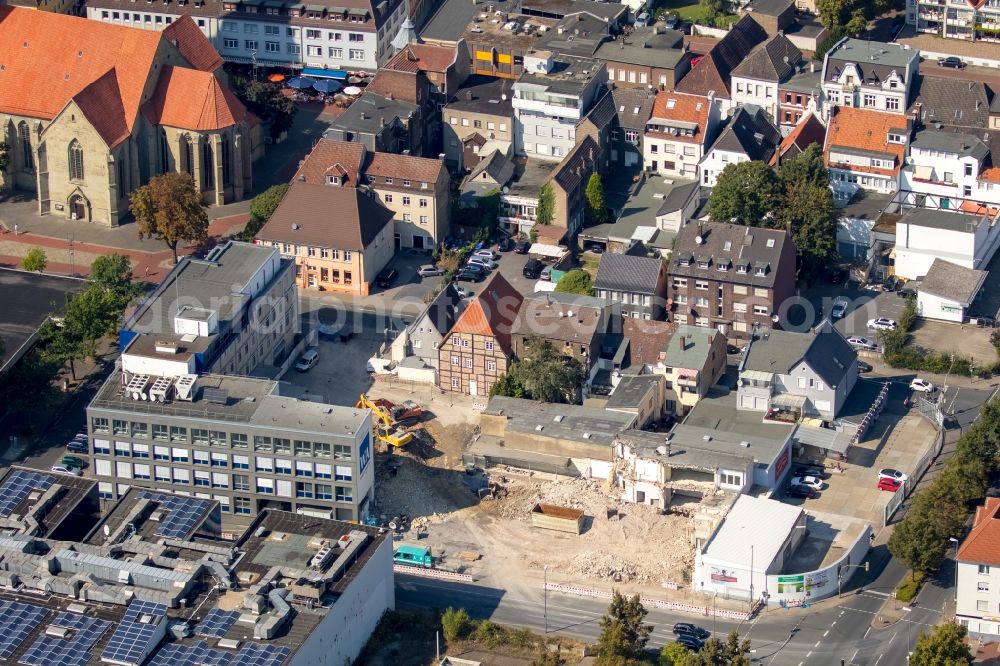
888	484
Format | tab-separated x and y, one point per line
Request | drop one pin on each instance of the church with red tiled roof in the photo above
91	111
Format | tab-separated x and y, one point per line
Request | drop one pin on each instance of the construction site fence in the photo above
437	574
650	602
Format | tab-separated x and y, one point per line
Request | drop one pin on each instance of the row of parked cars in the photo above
70	464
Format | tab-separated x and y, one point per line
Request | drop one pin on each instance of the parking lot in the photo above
897	440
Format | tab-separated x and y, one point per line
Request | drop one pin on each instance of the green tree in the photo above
508	385
623	633
169	208
731	652
35	260
546	208
545	374
917	544
112	272
4	156
944	646
807	213
264	99
597	209
709	11
674	654
455	624
834	13
262	207
805	168
745	193
577	281
857	24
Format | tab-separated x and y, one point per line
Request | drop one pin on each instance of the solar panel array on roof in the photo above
183	513
256	654
217	623
74	649
17	620
17	486
137	634
198	654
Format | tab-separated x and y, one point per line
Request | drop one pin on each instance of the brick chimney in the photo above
682	341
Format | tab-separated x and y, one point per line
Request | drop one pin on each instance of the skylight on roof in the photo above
671	103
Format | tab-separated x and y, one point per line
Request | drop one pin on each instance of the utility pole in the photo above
545	597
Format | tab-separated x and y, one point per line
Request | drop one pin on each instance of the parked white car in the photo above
486	253
808	481
861	343
429	270
921	385
482	262
882	324
59	469
894	474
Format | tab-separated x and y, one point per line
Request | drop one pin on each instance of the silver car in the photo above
429	270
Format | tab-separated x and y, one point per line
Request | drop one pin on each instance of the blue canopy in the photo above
299	83
327	86
321	73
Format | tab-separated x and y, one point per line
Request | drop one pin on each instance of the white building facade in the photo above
924	235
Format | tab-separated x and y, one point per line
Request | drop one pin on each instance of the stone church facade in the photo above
91	111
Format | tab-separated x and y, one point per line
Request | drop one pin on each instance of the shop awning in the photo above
921	172
320	73
788	401
546	250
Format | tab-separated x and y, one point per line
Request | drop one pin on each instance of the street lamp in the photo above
840	574
715	617
545	597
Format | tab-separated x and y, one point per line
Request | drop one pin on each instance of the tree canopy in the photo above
546	208
34	260
577	281
262	207
265	100
944	646
624	633
745	193
597	210
169	208
542	374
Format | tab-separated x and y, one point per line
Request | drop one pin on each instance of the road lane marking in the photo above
867	631
808	654
817	644
878	660
825	633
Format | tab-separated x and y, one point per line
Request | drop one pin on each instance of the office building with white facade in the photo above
332	39
551	97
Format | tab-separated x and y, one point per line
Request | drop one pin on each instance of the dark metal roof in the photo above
749	132
621	272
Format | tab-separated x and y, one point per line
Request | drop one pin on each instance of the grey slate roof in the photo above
712	73
825	351
964	145
603	112
620	272
875	59
774	60
577	166
960	102
484	94
747	246
365	116
442	312
634	106
631	391
496	166
953	282
697	344
749	132
454	16
940	219
770	7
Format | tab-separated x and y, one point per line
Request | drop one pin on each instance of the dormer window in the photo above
388	180
684	261
703	264
761	270
406	183
371	179
333	180
722	266
742	269
895	137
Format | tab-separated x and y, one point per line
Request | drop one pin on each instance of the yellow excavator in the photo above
386	429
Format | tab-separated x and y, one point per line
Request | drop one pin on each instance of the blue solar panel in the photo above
17	620
183	513
198	654
217	623
135	638
74	649
18	485
257	654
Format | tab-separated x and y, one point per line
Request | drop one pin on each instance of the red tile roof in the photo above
101	104
982	545
992	175
329	156
682	108
188	38
809	130
647	338
492	312
422	58
866	130
193	100
49	58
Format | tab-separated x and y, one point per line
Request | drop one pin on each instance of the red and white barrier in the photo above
432	573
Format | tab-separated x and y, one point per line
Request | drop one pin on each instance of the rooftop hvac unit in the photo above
185	387
156	516
160	389
136	387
